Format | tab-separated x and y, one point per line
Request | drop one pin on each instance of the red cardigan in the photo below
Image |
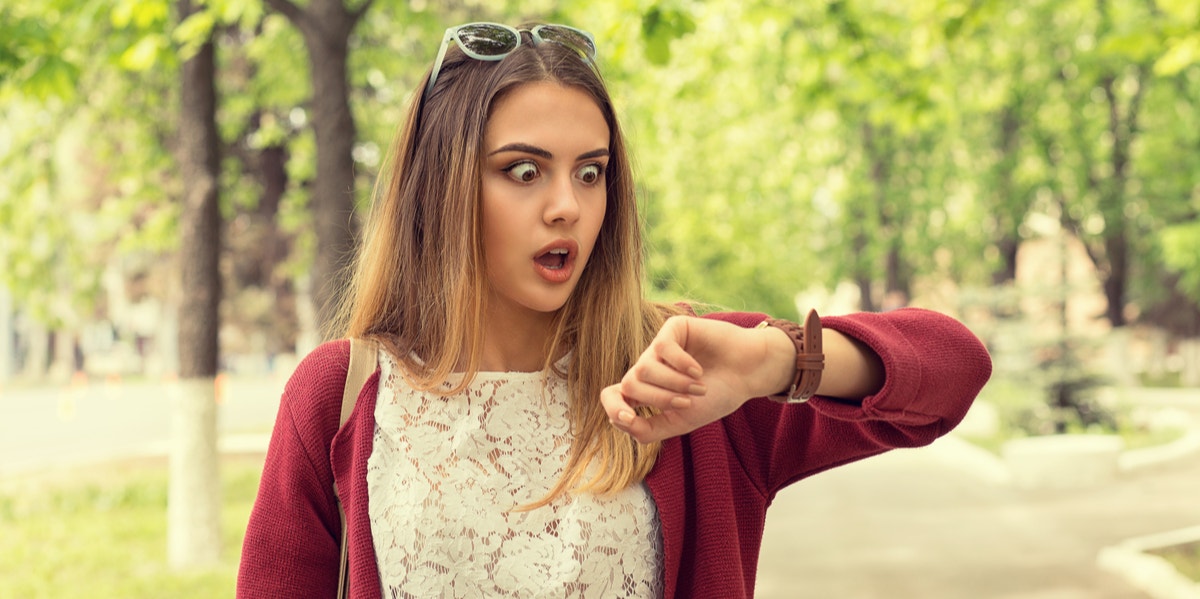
712	486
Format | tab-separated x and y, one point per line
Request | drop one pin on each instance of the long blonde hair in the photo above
419	286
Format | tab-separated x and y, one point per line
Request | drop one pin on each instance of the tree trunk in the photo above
896	276
1006	273
193	500
333	190
1010	210
326	26
1116	280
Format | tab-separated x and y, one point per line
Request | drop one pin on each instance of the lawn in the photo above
1022	414
101	532
1185	558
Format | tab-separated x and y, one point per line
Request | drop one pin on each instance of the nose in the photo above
562	205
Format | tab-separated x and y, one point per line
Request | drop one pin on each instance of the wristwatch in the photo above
810	360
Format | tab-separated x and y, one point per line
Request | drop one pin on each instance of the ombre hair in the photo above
419	286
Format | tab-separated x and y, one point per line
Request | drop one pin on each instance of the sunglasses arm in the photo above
437	63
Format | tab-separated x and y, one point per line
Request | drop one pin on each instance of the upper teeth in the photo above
559	251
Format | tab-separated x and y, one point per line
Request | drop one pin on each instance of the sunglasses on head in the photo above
493	41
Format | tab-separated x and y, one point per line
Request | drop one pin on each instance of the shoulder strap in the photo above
362	363
363	360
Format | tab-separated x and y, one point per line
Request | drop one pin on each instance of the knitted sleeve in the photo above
292	542
933	367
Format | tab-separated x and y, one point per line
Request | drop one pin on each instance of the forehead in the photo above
546	113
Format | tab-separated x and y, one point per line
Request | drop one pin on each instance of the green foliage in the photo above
31	57
1181	251
780	147
660	26
1181	33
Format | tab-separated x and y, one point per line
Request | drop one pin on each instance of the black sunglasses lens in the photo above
568	37
488	40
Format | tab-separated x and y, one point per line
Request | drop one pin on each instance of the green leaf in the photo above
52	78
1187	11
1181	252
142	14
142	55
661	26
1180	55
193	32
1137	45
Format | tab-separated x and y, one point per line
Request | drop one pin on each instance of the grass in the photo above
1185	558
1018	410
101	532
1134	438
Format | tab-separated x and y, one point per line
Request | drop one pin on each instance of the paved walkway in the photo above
920	524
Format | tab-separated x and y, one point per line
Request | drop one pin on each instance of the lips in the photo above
555	262
554	259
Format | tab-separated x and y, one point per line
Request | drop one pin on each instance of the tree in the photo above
194	497
326	26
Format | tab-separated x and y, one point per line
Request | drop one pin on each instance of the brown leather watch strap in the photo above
810	358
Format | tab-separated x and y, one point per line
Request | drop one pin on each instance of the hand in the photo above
696	371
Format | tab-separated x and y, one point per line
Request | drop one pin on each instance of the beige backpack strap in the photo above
363	361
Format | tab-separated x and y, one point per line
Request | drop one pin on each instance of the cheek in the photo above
595	227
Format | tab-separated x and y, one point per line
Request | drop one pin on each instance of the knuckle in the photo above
628	384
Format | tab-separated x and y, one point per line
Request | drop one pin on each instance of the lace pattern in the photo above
445	473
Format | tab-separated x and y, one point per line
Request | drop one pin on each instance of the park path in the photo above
65	426
921	523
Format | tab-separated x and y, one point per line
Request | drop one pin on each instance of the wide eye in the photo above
591	173
525	172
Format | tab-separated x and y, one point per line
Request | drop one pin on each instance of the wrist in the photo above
779	364
809	357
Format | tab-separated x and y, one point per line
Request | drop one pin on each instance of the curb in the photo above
227	444
1152	574
990	468
1138	459
1128	559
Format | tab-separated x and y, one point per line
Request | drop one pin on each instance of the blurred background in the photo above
180	185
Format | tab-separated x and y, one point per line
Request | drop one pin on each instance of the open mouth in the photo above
554	259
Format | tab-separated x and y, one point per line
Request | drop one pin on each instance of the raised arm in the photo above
699	370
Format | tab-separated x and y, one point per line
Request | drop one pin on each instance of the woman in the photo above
535	426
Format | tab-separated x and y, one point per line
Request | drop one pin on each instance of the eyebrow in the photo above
536	151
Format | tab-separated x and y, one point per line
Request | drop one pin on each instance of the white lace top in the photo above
445	473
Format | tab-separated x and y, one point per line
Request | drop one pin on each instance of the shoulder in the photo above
324	366
314	392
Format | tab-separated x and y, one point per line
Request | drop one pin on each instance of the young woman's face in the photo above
545	155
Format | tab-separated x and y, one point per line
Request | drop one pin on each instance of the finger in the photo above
654	367
620	412
649	371
625	419
638	392
672	354
670	342
656	427
643	431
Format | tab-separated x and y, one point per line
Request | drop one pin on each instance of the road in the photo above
73	424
